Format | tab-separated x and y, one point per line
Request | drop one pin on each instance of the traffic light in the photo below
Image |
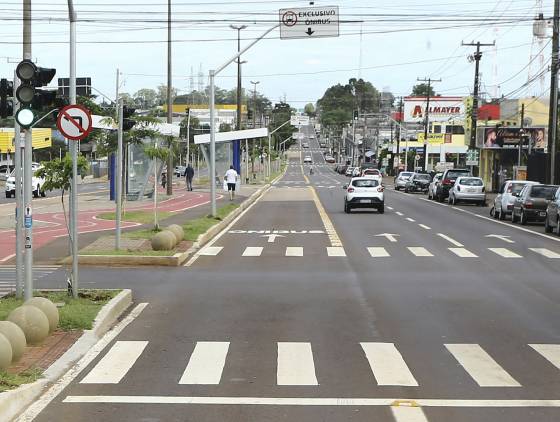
128	123
249	114
31	99
356	114
6	103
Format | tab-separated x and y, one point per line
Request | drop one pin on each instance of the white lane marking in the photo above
546	253
419	251
335	251
502	237
295	364
206	363
463	253
450	240
425	227
412	220
378	252
253	251
113	367
480	366
388	365
211	251
505	253
39	404
399	213
408	414
294	251
390	208
551	352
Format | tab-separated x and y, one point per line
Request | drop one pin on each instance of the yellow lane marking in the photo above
329	227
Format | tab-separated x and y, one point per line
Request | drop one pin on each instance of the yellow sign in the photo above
435	138
42	138
182	108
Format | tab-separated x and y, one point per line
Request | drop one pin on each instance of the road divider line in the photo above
388	365
112	368
295	364
329	227
206	363
450	240
484	370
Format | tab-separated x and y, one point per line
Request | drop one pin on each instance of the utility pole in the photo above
255	103
521	136
474	113
169	102
237	143
553	109
399	131
427	118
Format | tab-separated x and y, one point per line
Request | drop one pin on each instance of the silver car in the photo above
503	203
468	189
433	185
401	179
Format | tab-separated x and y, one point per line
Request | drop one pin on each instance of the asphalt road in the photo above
300	312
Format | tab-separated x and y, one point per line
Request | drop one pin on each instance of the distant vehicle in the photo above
503	203
349	171
400	180
552	219
371	172
532	202
364	192
447	181
341	168
307	160
356	172
305	145
468	189
322	144
179	171
330	159
432	186
36	182
418	182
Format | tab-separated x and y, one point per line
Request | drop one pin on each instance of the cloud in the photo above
312	61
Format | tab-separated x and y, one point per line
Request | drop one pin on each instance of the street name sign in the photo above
74	122
309	22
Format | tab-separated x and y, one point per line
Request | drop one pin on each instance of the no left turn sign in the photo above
74	122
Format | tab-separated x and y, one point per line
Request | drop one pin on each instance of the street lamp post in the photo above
237	143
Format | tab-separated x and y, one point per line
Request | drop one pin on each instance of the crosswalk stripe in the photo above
399	213
505	253
545	252
463	253
450	240
480	366
378	252
253	251
425	227
206	363
388	365
412	220
408	414
419	251
294	251
550	352
112	368
295	364
335	251
211	251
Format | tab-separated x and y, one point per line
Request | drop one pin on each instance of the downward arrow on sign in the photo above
309	31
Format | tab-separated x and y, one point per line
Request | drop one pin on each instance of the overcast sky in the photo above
386	42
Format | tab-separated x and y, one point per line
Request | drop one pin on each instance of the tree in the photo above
421	90
155	153
281	113
146	98
162	94
309	109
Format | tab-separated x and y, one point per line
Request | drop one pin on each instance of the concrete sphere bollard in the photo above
178	231
32	321
15	336
163	241
5	352
49	309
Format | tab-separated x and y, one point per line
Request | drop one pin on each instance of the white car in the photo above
308	160
37	183
349	171
468	189
356	172
503	203
364	192
401	179
433	185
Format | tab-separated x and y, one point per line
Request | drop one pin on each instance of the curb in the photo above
13	402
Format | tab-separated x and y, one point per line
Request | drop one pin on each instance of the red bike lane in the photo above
56	225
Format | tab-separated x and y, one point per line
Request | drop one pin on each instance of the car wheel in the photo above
502	214
513	216
8	195
439	197
547	228
381	209
346	208
405	190
43	193
523	218
452	200
36	192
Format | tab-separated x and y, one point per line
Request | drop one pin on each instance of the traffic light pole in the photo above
118	180
19	199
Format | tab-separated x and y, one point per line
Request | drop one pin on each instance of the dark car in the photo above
418	182
531	203
552	220
447	181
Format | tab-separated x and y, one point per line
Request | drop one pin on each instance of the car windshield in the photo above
455	174
471	182
516	187
405	174
545	192
422	177
365	183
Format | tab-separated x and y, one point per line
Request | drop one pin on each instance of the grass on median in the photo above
198	226
141	216
123	252
76	314
11	381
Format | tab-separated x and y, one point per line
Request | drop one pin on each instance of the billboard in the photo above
442	109
496	138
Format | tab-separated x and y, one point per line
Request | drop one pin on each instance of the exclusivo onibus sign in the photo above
309	22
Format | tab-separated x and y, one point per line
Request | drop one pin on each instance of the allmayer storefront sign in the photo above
442	109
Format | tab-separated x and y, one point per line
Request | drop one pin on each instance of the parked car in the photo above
447	181
305	145
400	180
432	186
179	171
349	171
36	182
329	159
532	202
364	192
468	189
356	172
341	168
307	160
503	203
418	182
552	220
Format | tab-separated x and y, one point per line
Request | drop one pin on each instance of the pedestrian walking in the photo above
163	180
231	179
189	174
